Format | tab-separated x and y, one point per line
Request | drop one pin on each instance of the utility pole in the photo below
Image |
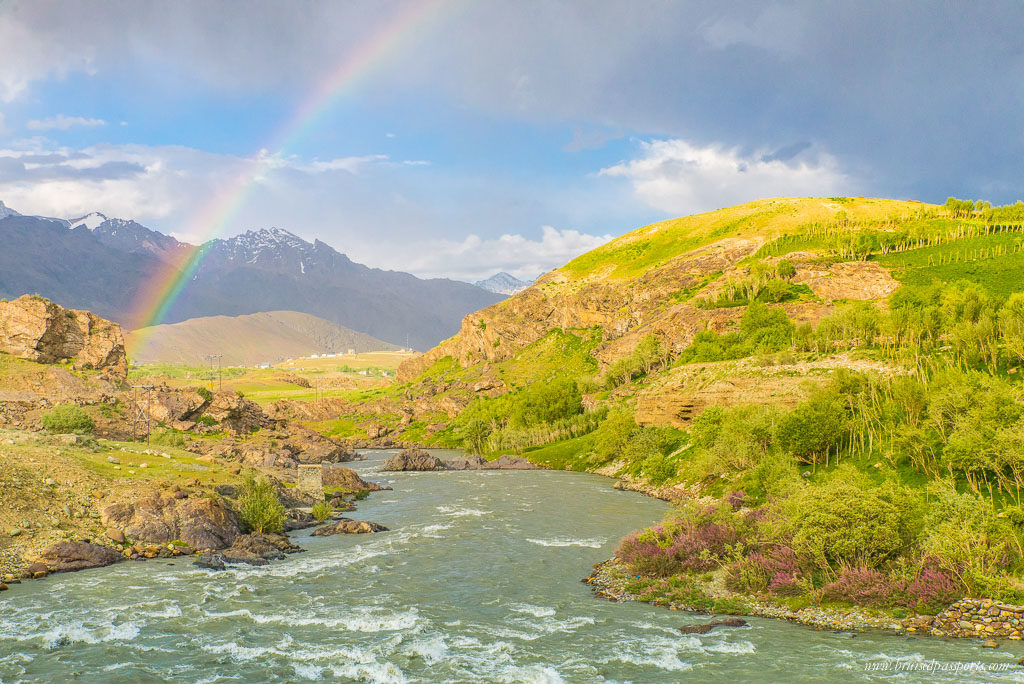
220	381
141	415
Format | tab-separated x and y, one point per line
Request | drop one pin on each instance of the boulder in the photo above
349	526
259	549
236	413
171	406
507	462
414	459
309	446
346	478
200	522
34	328
708	626
210	560
68	556
468	462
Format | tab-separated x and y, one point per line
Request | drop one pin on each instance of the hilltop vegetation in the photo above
819	382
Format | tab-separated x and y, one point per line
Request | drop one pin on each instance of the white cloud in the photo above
63	123
350	164
475	258
679	177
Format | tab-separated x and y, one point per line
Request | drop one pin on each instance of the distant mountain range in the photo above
246	340
504	283
102	264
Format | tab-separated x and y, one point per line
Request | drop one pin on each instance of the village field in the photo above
301	379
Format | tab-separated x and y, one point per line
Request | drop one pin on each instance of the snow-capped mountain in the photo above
90	221
6	211
104	265
504	283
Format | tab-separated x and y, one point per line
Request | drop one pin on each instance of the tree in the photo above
1011	325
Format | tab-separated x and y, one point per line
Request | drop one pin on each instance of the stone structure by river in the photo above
476	580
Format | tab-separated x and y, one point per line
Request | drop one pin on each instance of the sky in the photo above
457	138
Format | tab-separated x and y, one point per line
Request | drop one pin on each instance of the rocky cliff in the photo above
36	329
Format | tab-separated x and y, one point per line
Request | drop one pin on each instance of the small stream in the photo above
478	580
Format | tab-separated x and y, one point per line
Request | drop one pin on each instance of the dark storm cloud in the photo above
919	98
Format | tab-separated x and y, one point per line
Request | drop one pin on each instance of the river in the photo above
478	580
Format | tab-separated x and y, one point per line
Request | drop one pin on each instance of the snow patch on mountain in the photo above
504	283
90	221
6	211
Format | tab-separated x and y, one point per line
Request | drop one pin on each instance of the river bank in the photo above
982	619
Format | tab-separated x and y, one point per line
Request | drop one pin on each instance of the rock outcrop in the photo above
346	478
259	548
349	526
414	459
35	328
236	413
200	522
69	556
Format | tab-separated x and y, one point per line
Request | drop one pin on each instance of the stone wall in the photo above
980	618
311	479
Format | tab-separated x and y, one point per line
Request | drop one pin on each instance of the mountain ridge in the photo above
103	266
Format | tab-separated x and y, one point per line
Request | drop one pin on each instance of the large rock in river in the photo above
68	556
35	328
349	526
201	522
414	459
259	548
346	478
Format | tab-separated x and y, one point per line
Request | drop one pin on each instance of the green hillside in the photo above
830	386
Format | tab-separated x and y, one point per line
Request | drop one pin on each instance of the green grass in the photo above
556	355
1000	275
568	452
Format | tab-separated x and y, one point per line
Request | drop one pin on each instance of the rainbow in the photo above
214	217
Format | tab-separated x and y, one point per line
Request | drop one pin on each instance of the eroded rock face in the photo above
68	556
414	459
200	522
309	446
35	328
168	405
346	478
349	526
237	413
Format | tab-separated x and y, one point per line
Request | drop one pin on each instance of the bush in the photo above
844	524
813	428
206	420
260	508
861	586
322	511
67	418
206	394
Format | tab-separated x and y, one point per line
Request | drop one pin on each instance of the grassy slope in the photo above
634	253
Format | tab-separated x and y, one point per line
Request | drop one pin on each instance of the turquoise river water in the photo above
478	580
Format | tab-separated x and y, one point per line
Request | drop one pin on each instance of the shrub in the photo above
842	523
862	586
206	394
260	508
66	418
932	589
774	570
813	428
206	420
322	511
